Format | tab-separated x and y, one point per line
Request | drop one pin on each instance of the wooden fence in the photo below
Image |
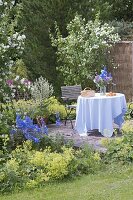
122	74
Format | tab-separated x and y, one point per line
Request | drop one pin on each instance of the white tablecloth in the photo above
100	112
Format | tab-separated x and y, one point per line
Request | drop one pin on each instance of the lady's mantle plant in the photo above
83	49
30	168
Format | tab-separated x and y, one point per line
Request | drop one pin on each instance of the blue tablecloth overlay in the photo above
100	112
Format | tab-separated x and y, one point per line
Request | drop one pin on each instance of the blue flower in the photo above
31	131
13	131
103	79
36	140
58	121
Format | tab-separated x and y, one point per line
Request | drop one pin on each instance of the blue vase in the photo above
102	90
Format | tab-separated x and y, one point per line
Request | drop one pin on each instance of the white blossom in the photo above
12	94
5	3
12	2
1	2
16	78
22	80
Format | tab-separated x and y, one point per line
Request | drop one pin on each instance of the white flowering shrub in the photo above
41	89
84	50
11	41
19	88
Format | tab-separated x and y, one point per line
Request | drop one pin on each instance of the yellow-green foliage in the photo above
130	105
26	107
31	184
12	165
8	113
36	167
52	164
38	159
105	142
27	167
128	126
33	108
120	149
55	106
57	164
97	156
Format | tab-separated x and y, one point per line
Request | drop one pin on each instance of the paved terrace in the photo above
93	139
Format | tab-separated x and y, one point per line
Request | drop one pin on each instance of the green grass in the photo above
115	183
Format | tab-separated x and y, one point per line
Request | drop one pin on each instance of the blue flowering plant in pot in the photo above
102	80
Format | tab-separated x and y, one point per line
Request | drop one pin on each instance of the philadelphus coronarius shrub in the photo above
11	41
19	87
84	49
41	89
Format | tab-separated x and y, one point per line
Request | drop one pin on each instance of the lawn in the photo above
116	183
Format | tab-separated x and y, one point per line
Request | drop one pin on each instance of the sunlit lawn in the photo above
109	185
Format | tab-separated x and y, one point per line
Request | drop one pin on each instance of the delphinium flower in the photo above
31	131
103	79
58	121
44	128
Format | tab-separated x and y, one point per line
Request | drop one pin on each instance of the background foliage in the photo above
38	16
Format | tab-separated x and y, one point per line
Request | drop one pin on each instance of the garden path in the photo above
93	139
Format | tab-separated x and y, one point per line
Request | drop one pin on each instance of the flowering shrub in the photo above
103	79
83	49
11	42
19	87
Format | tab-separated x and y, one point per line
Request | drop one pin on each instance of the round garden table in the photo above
100	112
